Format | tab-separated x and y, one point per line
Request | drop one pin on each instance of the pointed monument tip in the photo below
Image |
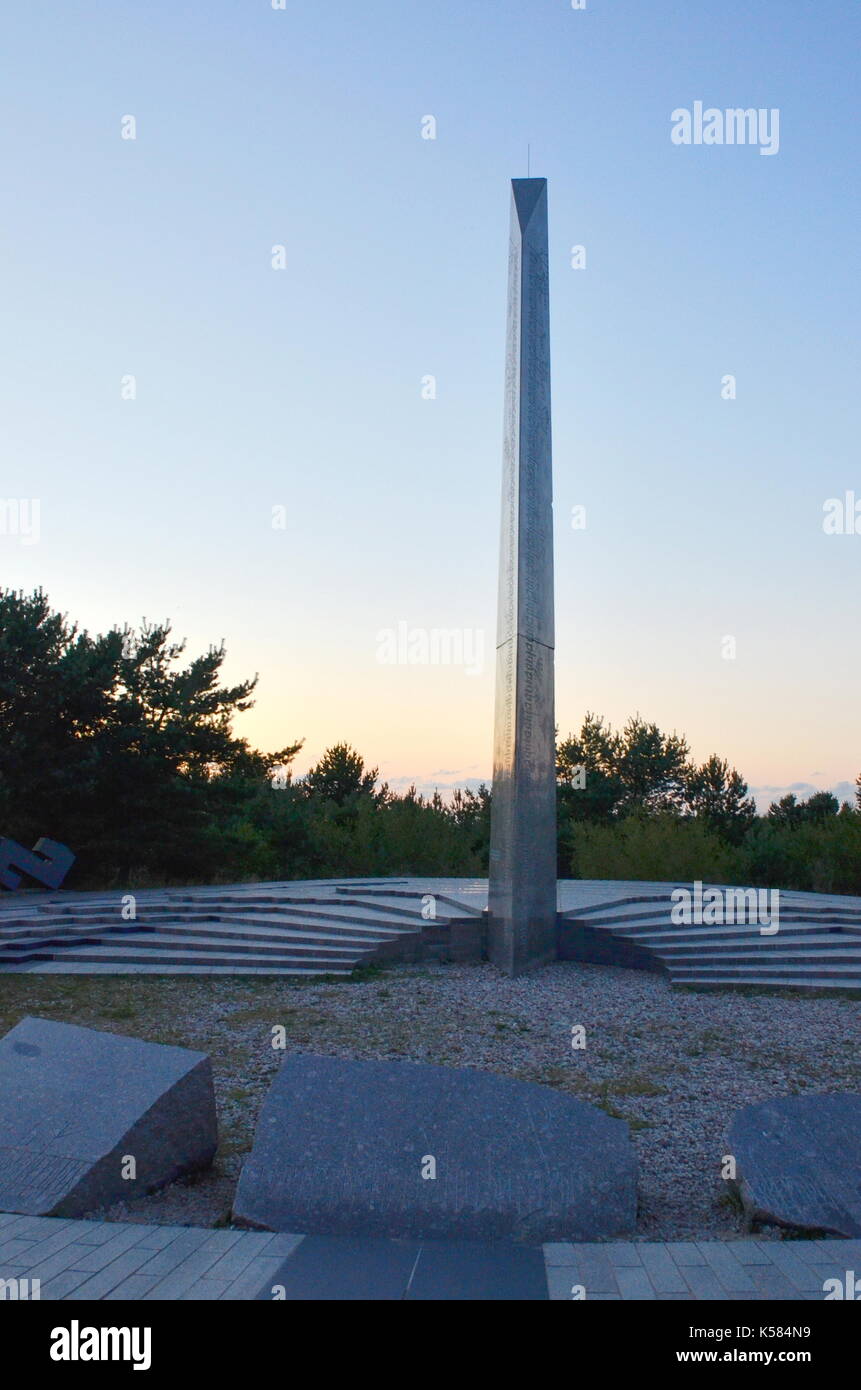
527	193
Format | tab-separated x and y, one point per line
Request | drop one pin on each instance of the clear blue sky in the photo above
302	387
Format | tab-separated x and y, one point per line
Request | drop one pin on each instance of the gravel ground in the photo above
675	1064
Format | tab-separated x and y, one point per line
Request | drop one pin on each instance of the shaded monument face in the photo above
522	901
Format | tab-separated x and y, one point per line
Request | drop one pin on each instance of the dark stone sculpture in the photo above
47	862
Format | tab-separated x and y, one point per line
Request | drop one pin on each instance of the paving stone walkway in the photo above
118	1260
760	1270
92	1260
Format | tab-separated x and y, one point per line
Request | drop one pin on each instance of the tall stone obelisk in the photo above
522	900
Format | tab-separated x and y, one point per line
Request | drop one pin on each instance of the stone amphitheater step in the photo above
282	948
783	960
334	906
319	923
643	930
265	926
384	904
173	955
727	968
364	937
618	905
222	931
217	942
808	981
646	922
94	967
643	904
815	947
692	938
44	948
394	921
269	930
757	949
392	895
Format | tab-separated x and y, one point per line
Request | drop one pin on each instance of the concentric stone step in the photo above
175	955
319	928
816	945
273	929
754	980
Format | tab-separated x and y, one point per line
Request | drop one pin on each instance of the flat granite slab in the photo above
798	1162
403	1150
77	1105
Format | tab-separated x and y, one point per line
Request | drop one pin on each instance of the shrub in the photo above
662	848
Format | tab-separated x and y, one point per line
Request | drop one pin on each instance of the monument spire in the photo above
522	896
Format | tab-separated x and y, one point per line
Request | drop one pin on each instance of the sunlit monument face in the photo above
522	901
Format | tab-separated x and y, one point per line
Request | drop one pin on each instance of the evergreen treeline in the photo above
122	749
